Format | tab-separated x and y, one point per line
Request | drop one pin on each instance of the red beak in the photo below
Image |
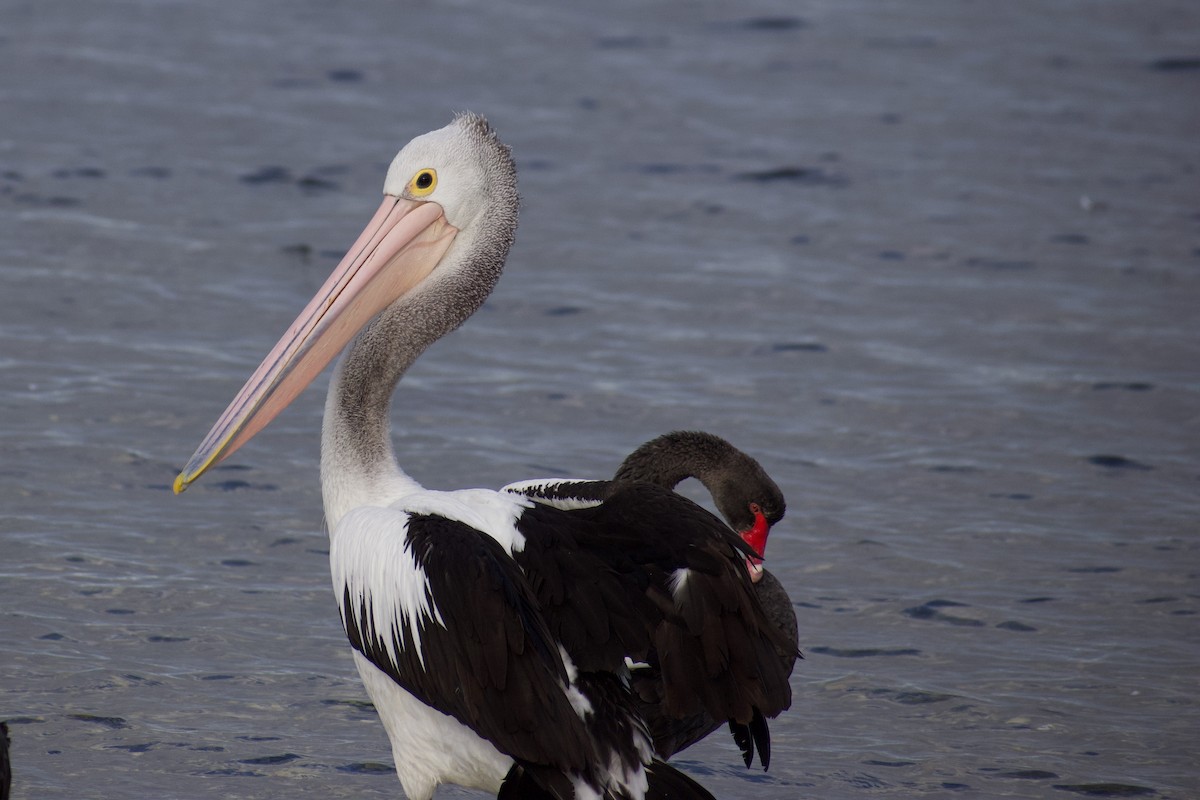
756	537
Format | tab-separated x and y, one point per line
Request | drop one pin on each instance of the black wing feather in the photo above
595	597
603	577
494	665
718	651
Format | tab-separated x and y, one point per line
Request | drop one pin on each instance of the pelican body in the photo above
493	632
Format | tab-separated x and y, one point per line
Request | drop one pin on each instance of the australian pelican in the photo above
492	632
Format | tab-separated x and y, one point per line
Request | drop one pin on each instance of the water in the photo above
935	265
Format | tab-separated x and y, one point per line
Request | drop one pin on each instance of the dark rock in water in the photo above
5	763
1109	461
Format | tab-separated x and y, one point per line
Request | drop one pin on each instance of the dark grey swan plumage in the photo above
751	502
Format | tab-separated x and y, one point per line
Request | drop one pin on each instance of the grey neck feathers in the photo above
356	434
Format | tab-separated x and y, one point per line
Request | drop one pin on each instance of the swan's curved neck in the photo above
675	457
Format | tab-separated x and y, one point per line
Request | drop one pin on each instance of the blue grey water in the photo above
936	265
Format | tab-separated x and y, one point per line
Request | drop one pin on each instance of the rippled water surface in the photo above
935	265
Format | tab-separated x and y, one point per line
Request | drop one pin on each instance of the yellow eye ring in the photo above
423	183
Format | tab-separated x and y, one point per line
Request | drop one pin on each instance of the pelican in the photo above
494	633
751	503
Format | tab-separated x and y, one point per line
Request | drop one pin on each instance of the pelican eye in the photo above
423	182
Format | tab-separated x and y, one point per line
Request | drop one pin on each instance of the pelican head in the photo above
446	223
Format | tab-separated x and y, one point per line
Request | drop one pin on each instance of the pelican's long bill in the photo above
399	247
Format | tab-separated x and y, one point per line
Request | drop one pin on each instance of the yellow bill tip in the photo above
181	483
